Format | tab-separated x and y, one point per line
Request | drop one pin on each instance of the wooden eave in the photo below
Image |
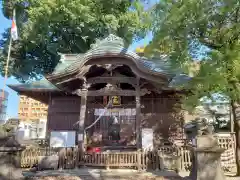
40	94
110	58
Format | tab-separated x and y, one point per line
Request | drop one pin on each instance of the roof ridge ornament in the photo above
62	57
110	38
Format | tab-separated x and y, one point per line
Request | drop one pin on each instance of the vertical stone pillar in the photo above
138	116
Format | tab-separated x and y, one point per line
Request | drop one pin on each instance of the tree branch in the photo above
205	41
209	43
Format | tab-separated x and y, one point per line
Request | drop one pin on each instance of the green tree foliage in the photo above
49	26
184	29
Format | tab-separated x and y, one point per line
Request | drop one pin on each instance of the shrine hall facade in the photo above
111	94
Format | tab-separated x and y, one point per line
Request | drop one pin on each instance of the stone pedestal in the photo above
48	162
206	163
10	157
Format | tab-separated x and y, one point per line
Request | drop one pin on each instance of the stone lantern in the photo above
10	157
206	153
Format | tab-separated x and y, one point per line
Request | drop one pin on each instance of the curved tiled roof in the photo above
42	85
110	46
115	46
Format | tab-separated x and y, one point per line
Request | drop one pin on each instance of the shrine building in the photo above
111	96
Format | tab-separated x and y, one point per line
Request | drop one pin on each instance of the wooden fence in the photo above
167	157
68	159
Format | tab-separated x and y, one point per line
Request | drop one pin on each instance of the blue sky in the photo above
13	100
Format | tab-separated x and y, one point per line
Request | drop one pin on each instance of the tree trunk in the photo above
236	119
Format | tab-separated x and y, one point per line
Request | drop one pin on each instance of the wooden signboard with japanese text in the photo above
116	100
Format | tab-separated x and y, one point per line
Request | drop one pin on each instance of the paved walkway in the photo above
184	174
101	174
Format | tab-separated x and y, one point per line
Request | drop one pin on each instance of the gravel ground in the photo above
91	178
91	174
99	174
115	178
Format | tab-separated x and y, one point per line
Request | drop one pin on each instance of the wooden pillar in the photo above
49	110
138	116
231	118
82	121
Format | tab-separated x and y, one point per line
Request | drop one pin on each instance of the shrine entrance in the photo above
111	125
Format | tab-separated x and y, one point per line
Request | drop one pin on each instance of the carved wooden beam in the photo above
111	67
111	92
143	84
113	80
83	71
155	87
80	76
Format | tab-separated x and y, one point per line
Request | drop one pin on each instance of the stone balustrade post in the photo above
206	154
206	162
10	159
